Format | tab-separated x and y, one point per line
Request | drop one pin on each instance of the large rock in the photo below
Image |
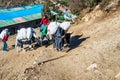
112	6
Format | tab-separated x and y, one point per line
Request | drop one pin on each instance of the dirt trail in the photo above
98	44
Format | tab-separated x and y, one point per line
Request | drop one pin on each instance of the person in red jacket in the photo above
5	38
44	22
43	28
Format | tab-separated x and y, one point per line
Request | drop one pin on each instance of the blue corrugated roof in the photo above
20	11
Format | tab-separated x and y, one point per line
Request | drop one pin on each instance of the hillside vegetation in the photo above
75	5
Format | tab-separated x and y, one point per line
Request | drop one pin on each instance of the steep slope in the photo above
93	43
99	47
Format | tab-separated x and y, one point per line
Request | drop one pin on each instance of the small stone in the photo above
34	62
92	66
117	76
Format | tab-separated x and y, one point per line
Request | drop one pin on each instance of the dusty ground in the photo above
95	42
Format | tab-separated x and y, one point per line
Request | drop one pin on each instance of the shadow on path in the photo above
40	63
76	41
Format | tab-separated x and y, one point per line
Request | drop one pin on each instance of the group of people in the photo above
59	38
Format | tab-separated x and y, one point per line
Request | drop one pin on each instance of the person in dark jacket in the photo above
67	41
59	38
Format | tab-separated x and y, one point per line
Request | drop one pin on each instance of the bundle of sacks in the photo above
65	25
30	33
2	34
59	35
21	34
25	33
52	27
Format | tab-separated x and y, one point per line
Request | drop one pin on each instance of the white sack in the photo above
2	34
65	25
29	32
52	27
19	35
22	34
